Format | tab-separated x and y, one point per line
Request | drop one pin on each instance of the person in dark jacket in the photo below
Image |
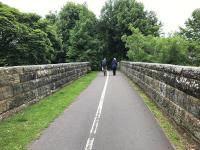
114	66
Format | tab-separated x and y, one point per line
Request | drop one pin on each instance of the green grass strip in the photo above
170	131
19	130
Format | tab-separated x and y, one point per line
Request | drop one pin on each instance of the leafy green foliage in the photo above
50	28
192	33
171	50
67	21
80	37
115	19
124	31
194	53
174	50
136	43
192	29
26	38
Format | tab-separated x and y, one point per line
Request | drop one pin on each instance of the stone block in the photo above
32	68
6	80
193	106
36	92
27	77
189	86
43	73
11	70
191	72
17	89
27	86
45	90
16	101
29	96
6	91
3	106
1	95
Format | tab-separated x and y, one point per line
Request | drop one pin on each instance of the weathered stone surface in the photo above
23	85
17	89
175	89
27	77
11	70
173	77
16	101
3	106
6	92
8	79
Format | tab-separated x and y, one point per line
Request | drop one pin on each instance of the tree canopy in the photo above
192	29
77	26
116	16
125	30
26	38
171	50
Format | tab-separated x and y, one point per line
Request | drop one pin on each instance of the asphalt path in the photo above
108	115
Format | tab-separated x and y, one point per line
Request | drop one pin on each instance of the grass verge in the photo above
170	131
19	130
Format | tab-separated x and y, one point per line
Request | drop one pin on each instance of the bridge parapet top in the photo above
28	68
185	71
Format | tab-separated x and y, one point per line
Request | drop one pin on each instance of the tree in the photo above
67	21
51	30
135	43
115	19
192	29
191	32
52	17
80	37
175	51
171	50
21	40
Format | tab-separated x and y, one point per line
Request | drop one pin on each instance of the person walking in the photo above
104	66
114	66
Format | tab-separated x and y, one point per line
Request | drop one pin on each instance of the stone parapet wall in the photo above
175	89
23	85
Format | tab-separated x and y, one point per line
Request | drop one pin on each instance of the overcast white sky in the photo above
172	13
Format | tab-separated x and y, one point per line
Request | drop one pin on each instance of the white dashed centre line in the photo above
97	117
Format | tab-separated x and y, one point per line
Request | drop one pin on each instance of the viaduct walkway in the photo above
108	115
